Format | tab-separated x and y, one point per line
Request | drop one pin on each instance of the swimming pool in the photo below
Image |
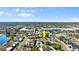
3	39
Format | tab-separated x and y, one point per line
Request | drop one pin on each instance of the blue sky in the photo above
39	14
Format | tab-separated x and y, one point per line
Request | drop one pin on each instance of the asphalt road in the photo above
19	47
65	47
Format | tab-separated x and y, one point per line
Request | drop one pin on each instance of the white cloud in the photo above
1	12
25	14
73	20
32	10
23	10
8	14
22	14
5	13
68	20
28	10
29	14
17	10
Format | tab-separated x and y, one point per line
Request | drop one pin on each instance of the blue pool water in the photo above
3	39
